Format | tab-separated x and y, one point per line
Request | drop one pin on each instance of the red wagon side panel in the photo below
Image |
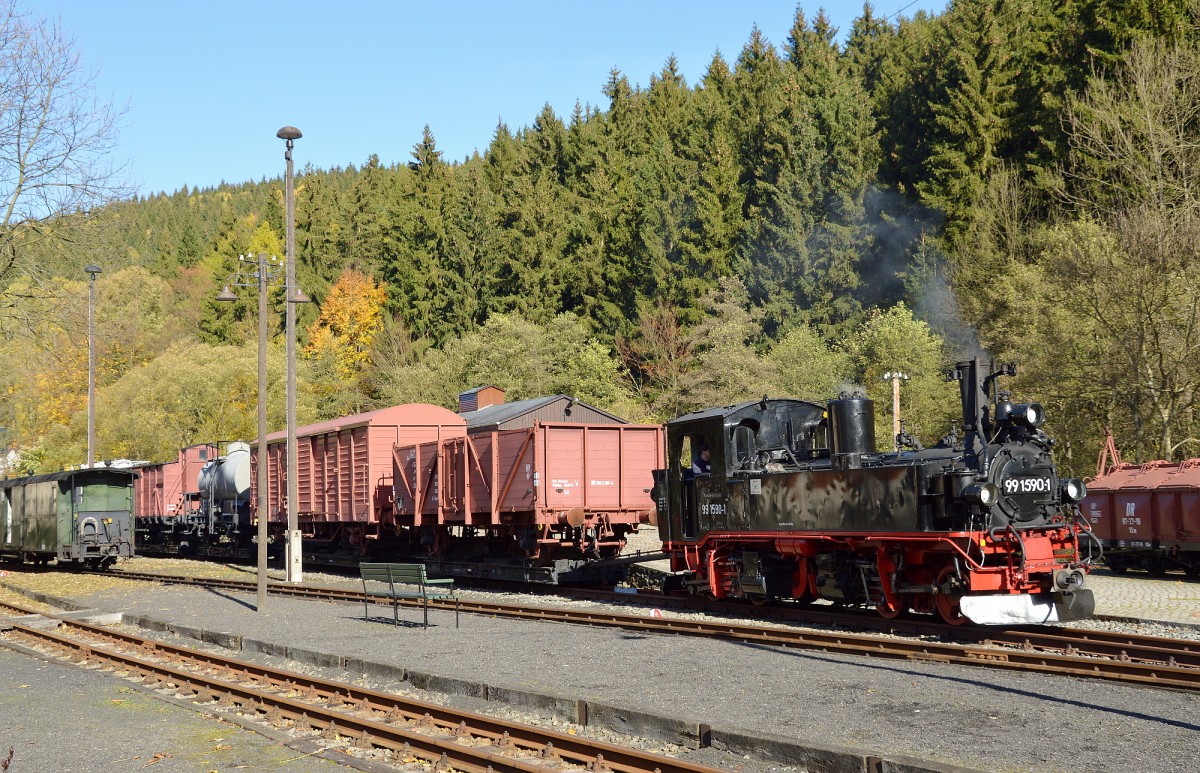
538	474
345	466
166	488
1138	506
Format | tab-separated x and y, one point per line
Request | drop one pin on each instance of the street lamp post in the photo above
92	271
295	565
895	377
265	272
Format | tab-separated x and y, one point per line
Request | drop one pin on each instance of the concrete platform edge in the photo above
817	758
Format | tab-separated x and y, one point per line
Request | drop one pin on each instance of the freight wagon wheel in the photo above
947	603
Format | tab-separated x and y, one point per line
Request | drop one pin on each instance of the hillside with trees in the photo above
1015	179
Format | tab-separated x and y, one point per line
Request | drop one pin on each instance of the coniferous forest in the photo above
1014	179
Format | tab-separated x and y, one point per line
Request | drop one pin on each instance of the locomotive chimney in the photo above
851	430
972	386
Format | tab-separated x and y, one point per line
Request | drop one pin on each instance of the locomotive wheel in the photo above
947	603
889	612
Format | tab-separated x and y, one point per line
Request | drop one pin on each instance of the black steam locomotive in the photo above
798	504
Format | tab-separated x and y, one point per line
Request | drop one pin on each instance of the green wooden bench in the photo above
405	581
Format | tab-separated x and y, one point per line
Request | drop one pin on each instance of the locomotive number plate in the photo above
1027	486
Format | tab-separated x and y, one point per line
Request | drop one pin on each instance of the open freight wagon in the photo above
1147	516
534	502
344	473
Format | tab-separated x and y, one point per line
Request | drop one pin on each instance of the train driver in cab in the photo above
700	462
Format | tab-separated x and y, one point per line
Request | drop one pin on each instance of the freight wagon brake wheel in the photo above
947	603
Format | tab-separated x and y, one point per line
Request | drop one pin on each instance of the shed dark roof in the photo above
498	415
477	389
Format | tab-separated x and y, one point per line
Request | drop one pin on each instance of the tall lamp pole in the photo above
92	271
295	565
895	377
265	270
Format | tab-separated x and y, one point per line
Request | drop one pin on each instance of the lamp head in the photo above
226	295
93	270
289	133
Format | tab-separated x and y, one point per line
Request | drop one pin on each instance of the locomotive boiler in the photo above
798	504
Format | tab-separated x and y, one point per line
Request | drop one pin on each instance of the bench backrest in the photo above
409	574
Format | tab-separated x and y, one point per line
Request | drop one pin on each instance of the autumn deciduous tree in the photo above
351	317
527	359
1136	176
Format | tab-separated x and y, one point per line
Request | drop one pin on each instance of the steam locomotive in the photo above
798	504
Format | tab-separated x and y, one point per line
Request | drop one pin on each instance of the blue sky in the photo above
207	84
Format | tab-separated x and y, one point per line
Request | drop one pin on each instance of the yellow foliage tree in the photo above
351	317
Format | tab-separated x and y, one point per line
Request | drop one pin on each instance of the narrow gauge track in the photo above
401	728
1128	658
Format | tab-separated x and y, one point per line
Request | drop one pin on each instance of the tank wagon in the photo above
78	516
1147	516
197	504
798	504
543	490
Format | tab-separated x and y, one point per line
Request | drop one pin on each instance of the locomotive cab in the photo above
743	442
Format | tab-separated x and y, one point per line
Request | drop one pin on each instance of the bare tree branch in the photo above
56	143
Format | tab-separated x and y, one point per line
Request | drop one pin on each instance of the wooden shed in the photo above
523	414
479	397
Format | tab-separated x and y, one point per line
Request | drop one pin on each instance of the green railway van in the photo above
81	516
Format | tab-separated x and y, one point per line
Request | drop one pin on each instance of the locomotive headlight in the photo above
1031	415
983	494
1072	490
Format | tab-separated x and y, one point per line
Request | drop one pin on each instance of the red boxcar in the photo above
344	466
196	503
1147	515
171	488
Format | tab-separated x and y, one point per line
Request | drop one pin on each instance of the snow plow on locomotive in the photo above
798	504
